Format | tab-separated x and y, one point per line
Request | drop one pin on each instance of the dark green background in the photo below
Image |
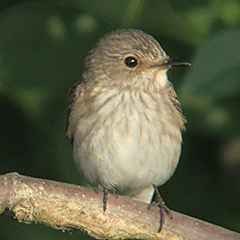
42	47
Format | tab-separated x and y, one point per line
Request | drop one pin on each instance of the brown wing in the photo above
176	103
74	93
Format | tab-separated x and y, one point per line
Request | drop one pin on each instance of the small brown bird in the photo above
124	118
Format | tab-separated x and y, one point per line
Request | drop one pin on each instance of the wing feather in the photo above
176	103
75	92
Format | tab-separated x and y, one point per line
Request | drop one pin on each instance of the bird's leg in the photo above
105	195
162	207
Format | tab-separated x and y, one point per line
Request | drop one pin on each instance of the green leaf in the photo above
216	68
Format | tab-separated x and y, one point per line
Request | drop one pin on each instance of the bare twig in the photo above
66	206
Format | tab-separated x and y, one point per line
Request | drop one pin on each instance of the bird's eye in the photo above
130	62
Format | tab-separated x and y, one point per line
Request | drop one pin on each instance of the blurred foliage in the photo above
42	48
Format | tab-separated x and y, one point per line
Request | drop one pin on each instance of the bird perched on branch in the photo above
125	121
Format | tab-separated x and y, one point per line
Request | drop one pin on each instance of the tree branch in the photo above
67	206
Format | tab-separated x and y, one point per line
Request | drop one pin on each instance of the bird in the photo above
124	119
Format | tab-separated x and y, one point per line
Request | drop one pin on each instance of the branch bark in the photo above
66	206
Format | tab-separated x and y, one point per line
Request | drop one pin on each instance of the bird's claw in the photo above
162	207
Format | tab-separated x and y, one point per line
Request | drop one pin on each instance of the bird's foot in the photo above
106	191
162	207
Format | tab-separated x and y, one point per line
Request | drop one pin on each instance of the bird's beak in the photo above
172	63
169	63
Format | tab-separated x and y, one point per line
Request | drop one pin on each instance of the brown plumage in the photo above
124	118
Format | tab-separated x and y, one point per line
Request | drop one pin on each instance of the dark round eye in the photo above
130	62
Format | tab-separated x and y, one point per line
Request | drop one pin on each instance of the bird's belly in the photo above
127	149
